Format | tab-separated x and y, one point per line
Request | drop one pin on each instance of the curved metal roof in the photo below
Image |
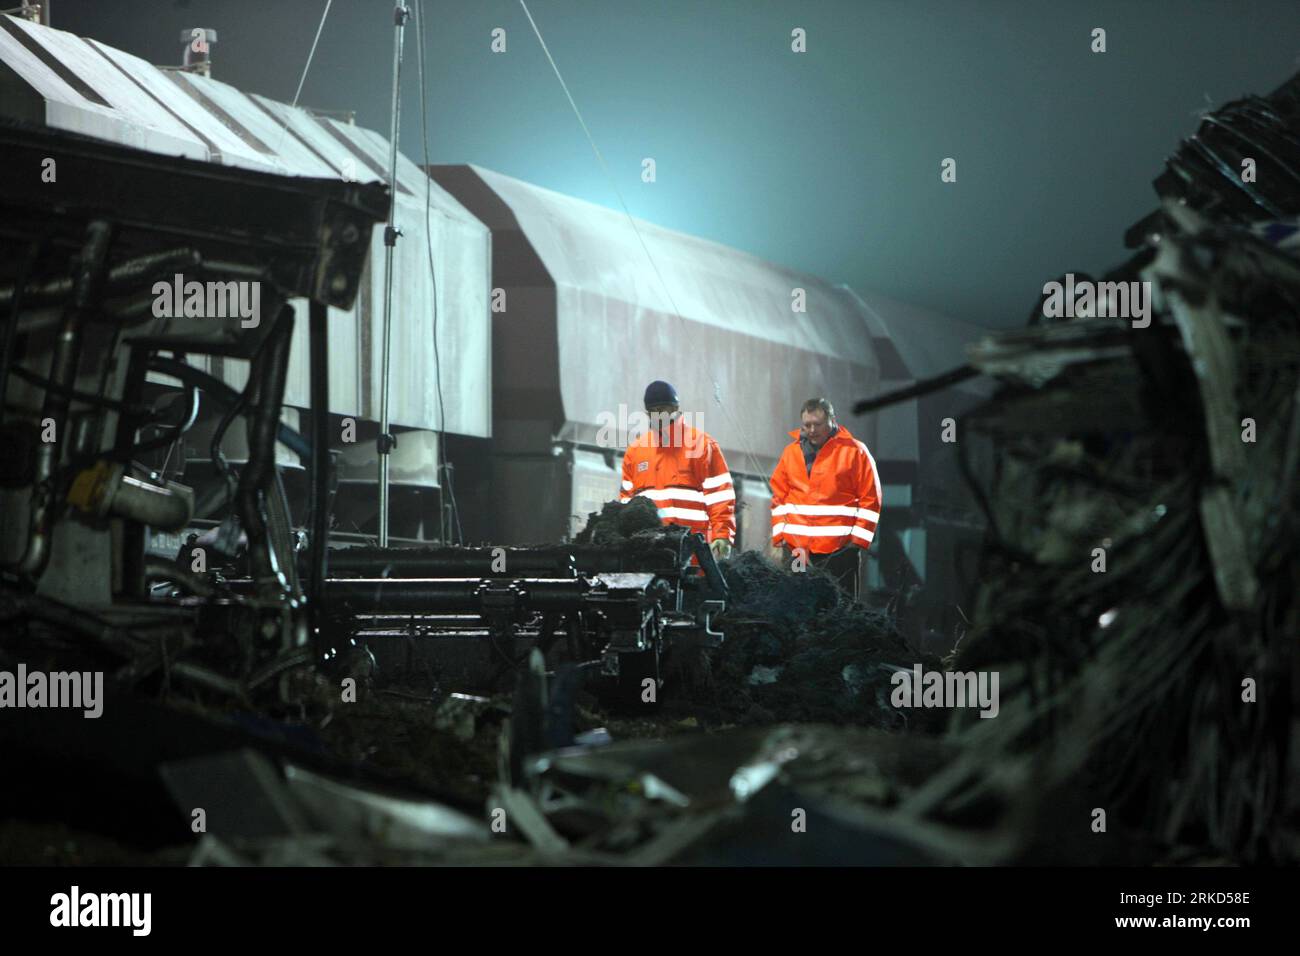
610	326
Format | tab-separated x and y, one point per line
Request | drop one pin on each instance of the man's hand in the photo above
721	549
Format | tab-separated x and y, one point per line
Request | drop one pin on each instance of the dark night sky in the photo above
827	161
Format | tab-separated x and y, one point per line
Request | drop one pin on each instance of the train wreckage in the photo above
585	685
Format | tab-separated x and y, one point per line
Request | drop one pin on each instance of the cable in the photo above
89	398
303	79
433	277
171	433
717	387
192	414
223	395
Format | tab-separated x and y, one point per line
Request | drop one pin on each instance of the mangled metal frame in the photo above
129	218
619	618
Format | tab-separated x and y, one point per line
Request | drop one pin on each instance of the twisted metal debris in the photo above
1140	586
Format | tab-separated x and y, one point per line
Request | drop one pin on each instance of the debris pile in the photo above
1139	599
1140	593
797	649
447	748
755	796
616	522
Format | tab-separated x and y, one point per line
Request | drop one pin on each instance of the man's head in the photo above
816	421
661	403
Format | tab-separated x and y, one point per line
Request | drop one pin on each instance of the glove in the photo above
721	549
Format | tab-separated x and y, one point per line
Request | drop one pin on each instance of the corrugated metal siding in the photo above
136	104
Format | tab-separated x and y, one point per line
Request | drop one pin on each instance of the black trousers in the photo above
843	565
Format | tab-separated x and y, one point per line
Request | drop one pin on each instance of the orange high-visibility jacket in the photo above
687	479
836	505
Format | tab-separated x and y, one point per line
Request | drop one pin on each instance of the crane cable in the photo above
303	79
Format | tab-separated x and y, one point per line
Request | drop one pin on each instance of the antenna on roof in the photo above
198	43
35	12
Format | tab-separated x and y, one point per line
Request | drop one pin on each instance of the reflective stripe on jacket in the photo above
836	505
686	478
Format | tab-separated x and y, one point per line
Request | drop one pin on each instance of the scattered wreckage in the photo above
1137	593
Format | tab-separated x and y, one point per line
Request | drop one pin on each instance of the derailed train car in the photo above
65	82
550	317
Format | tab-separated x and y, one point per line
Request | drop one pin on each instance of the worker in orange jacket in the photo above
681	469
825	496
